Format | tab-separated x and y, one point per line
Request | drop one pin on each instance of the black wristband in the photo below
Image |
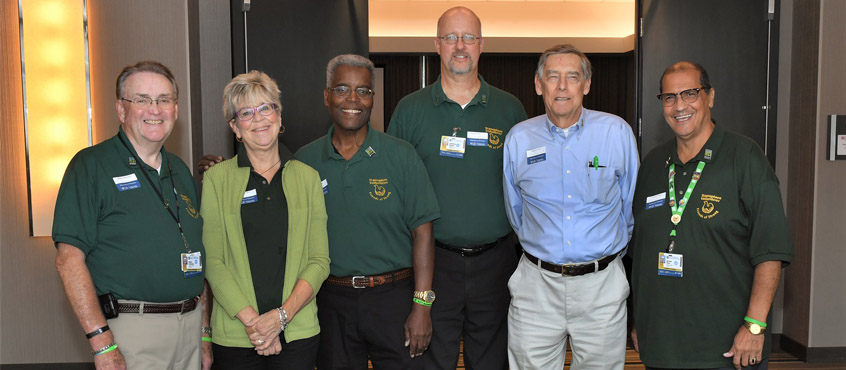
97	332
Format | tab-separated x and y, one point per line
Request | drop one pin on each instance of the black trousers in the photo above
472	302
298	354
763	365
361	324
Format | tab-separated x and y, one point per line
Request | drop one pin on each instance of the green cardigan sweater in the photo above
227	265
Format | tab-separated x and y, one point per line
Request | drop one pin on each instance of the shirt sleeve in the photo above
511	192
628	179
421	204
76	213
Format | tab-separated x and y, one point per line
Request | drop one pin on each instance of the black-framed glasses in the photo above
452	38
688	96
344	91
165	102
246	114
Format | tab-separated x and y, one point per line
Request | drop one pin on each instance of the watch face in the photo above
755	329
430	296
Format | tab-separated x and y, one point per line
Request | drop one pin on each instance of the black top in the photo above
264	219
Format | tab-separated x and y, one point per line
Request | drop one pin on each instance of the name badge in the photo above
453	146
192	264
475	138
127	182
325	185
250	196
670	264
656	200
536	155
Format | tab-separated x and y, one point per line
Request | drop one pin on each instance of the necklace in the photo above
271	166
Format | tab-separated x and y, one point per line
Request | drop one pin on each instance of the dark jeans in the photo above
472	302
299	355
357	324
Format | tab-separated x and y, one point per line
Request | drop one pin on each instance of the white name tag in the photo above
325	185
475	138
536	155
250	196
656	200
127	182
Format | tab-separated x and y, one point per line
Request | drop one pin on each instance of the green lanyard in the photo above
677	210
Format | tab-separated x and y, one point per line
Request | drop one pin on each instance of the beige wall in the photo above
828	275
37	323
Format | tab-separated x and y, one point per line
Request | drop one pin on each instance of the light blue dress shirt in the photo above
564	208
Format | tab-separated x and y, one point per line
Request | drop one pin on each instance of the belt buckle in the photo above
565	268
358	277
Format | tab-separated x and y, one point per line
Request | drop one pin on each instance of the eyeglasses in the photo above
452	38
246	114
688	96
344	91
145	102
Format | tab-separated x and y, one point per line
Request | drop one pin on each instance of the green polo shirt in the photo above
470	188
108	209
264	219
734	220
373	200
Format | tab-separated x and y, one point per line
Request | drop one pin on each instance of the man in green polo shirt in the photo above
127	229
458	126
710	238
376	302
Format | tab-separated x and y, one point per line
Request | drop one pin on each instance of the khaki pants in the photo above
159	341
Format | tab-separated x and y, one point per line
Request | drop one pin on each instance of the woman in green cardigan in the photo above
265	237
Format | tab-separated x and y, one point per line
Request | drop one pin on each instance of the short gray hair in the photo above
565	49
245	87
351	60
144	66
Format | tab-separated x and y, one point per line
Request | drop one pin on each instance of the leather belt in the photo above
182	307
471	251
371	281
573	269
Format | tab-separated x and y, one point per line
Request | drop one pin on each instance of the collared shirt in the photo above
374	200
733	221
132	245
264	219
570	198
469	189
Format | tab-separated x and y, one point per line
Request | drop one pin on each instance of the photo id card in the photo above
453	146
670	264
192	264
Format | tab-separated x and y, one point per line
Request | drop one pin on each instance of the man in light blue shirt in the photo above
569	179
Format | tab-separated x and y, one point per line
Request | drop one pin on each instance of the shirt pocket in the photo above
601	185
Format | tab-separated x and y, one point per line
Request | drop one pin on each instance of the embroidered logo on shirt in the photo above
709	206
189	206
494	138
379	192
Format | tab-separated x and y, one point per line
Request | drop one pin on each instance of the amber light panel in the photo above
56	98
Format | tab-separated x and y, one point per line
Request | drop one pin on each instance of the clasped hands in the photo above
264	333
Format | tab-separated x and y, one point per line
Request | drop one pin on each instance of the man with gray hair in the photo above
569	178
380	202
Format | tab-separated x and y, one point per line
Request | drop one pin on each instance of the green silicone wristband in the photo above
753	321
107	350
206	339
421	302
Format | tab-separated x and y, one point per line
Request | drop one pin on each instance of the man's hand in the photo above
634	340
112	360
208	161
745	348
418	330
207	356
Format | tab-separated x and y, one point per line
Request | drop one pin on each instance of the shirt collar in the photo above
708	152
575	130
481	98
128	154
369	148
244	160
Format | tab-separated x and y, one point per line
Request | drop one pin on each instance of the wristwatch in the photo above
754	328
427	296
